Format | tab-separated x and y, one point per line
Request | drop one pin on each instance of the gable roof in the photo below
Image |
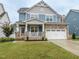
41	3
2	15
23	10
33	20
72	10
1	8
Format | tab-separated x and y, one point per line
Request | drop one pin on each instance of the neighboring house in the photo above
4	19
40	21
73	21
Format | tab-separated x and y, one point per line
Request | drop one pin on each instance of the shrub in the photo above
43	38
7	30
6	39
73	36
77	37
27	38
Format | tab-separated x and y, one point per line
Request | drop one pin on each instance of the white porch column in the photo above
17	27
26	28
25	31
43	27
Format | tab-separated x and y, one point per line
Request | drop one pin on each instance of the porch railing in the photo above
29	34
35	34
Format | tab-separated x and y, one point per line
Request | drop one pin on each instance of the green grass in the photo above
33	50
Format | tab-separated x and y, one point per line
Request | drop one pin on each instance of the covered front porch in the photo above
31	30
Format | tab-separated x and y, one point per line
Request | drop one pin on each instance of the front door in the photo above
34	29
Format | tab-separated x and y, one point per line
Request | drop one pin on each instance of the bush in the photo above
7	29
6	39
27	38
73	36
43	38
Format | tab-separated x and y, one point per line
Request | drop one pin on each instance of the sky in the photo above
60	6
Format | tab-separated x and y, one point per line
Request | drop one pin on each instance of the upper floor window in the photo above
41	16
34	16
22	16
27	16
49	18
54	18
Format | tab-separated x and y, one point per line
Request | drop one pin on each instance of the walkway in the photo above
72	46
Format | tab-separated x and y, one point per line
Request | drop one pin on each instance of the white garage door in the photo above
56	34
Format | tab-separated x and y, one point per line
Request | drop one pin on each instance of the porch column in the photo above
17	27
17	30
26	28
25	31
43	30
43	27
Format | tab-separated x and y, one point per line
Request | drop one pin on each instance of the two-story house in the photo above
40	21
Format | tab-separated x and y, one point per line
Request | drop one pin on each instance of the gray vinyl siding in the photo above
73	20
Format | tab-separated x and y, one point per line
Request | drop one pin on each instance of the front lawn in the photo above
33	50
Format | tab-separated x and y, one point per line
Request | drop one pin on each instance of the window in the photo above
50	18
58	30
33	16
54	18
41	16
47	18
48	30
53	30
28	16
34	29
22	16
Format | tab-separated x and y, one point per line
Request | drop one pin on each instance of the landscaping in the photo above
74	37
6	39
33	50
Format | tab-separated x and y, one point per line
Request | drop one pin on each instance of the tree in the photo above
73	36
7	30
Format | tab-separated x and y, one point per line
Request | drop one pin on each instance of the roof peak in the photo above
75	10
42	0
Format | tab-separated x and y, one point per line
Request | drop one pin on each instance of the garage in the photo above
56	34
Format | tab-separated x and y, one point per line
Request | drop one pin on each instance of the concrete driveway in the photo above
72	46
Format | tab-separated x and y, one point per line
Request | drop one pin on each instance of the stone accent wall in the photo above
55	26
